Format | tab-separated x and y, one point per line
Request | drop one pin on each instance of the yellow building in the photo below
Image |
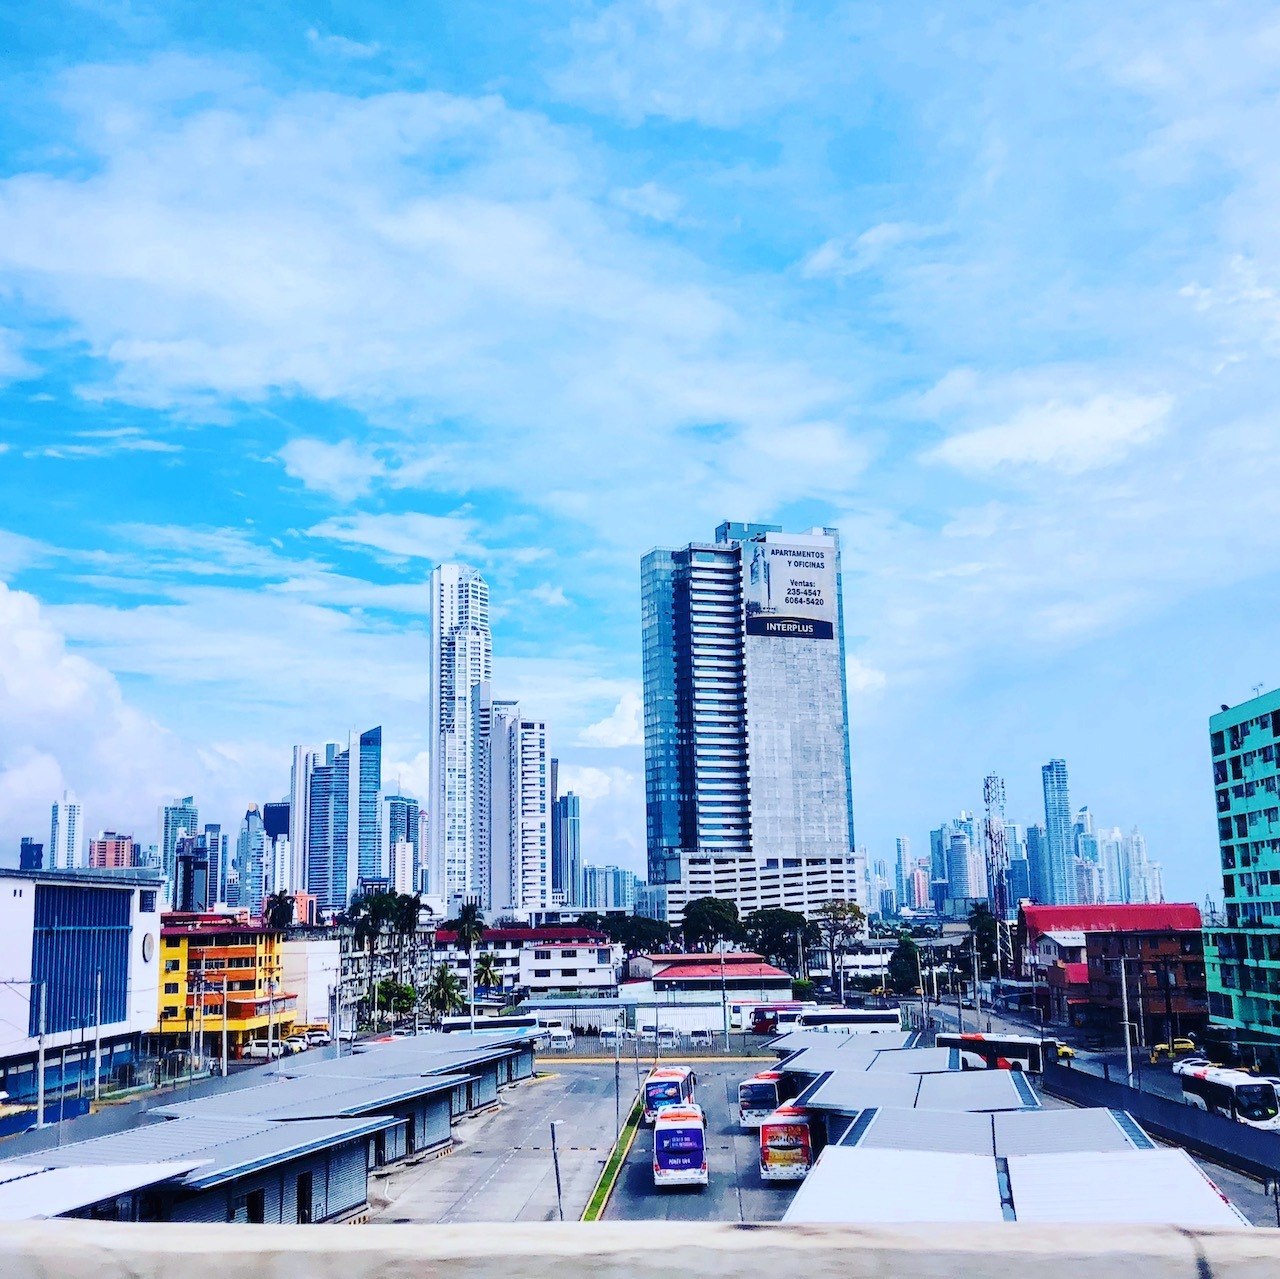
237	966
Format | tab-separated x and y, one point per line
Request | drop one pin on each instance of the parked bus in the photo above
667	1086
680	1147
846	1020
1234	1094
1001	1052
513	1022
760	1096
766	1018
786	1152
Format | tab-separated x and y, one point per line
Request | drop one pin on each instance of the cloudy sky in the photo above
296	300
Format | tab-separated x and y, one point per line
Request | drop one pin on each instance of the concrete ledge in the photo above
649	1250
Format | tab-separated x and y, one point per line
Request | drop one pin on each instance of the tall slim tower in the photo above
997	852
305	761
1059	833
461	658
65	833
179	818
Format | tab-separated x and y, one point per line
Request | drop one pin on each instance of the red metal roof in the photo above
551	935
1156	918
687	972
1076	974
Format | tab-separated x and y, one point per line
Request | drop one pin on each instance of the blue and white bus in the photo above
680	1147
667	1086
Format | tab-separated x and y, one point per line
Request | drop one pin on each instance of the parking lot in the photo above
736	1191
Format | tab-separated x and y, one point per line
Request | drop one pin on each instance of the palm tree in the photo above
469	929
443	993
487	974
404	922
279	910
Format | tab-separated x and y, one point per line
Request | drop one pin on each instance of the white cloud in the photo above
553	596
853	254
14	366
623	727
409	536
1071	438
612	813
341	46
343	470
649	200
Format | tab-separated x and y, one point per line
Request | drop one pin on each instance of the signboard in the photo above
790	588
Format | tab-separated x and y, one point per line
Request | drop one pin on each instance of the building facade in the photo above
746	720
343	842
566	849
66	833
111	851
1242	952
182	817
460	659
1059	834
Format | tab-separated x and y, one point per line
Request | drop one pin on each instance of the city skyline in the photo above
591	284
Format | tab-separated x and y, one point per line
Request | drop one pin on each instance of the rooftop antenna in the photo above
996	850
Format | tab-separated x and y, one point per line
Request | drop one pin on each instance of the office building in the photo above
398	825
1019	881
66	832
747	779
460	659
305	761
73	942
111	851
251	863
176	819
1038	865
566	843
609	888
1059	833
902	869
343	843
195	888
30	854
1243	950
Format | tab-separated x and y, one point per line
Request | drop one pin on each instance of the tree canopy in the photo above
711	919
986	929
904	968
772	933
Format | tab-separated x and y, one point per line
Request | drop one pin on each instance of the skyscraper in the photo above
902	871
342	820
1059	832
461	658
1040	878
30	854
399	825
746	719
176	819
111	851
65	833
566	819
518	846
305	761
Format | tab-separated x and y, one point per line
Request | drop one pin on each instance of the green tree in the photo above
370	915
904	966
444	994
469	927
396	996
405	911
634	933
983	925
773	933
487	974
838	923
279	910
711	919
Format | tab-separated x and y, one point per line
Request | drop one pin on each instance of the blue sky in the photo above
296	300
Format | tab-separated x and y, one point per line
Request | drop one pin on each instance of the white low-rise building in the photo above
542	961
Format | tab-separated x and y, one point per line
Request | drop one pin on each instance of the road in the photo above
736	1191
501	1169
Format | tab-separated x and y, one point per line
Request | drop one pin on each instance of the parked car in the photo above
318	1038
616	1035
404	1032
702	1037
261	1050
1185	1065
1066	1052
296	1044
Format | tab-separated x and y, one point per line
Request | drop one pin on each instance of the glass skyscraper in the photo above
1059	833
343	843
746	725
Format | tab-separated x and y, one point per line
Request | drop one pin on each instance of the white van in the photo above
561	1038
261	1050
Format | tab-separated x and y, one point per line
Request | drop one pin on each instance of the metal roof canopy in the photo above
859	1185
1162	1186
326	1096
390	1061
794	1040
225	1147
847	1092
917	1061
34	1191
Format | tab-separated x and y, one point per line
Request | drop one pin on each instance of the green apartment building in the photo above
1242	950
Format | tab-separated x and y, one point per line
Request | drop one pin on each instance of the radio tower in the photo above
997	853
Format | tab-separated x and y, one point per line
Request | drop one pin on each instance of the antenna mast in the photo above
997	852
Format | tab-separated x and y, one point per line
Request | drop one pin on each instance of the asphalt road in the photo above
501	1169
736	1191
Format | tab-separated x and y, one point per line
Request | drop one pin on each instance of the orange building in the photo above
237	966
111	851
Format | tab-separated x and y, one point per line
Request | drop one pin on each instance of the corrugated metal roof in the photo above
817	1061
1034	1132
948	1132
847	1092
795	1040
916	1061
34	1192
226	1147
1163	1187
325	1096
866	1185
1160	917
975	1090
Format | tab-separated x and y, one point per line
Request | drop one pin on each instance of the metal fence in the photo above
1253	1151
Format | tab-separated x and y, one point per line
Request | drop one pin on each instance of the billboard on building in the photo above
790	587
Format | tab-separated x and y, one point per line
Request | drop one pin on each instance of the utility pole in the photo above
555	1159
40	1063
724	999
1124	999
977	988
224	1025
97	1036
617	1087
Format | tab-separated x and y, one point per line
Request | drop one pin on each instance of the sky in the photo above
296	301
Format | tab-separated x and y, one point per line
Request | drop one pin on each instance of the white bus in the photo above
1001	1052
680	1147
1234	1094
846	1020
759	1097
667	1086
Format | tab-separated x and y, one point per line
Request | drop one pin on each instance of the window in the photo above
568	972
171	965
542	954
569	954
171	988
172	942
542	972
147	901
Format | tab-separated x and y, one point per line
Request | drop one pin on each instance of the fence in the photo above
1254	1151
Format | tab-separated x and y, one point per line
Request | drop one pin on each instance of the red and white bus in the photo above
1001	1052
771	1019
667	1086
786	1152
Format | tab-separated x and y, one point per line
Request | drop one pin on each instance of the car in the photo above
318	1038
404	1032
1066	1052
296	1044
261	1050
616	1035
1184	1045
561	1038
702	1037
1185	1065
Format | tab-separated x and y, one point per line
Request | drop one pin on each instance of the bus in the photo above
512	1022
769	1019
1001	1052
850	1020
786	1152
680	1147
760	1096
1234	1094
667	1086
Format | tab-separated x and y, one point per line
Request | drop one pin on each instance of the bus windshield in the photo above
1256	1102
751	1094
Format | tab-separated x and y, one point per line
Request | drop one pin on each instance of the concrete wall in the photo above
91	1250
